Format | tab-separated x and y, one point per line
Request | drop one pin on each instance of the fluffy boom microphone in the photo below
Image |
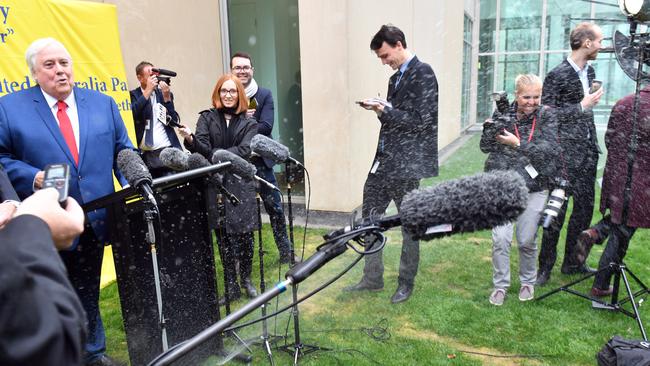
468	204
240	167
272	150
196	161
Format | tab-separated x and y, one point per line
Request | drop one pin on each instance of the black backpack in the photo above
624	352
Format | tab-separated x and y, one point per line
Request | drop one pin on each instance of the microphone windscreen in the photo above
133	168
174	158
270	149
468	204
239	166
196	161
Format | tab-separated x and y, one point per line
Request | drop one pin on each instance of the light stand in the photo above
150	213
615	304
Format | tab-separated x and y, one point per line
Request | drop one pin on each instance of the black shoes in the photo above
581	269
363	286
542	278
251	291
104	360
402	293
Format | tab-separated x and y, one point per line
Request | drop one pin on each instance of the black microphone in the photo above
136	173
240	167
272	150
163	71
174	158
196	161
468	204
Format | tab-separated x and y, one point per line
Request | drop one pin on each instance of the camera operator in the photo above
154	116
42	321
631	212
524	140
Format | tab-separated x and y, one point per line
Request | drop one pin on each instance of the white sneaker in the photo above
526	292
497	297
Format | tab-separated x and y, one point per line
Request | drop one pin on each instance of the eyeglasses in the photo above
224	92
242	68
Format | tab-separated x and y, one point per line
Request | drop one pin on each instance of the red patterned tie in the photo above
66	129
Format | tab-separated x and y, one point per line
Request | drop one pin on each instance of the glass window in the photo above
487	33
485	88
561	17
512	65
552	60
521	24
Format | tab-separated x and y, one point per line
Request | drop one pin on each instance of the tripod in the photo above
150	213
298	349
621	271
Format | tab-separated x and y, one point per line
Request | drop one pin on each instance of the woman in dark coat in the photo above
624	220
226	127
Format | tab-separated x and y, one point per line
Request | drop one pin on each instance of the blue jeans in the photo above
273	206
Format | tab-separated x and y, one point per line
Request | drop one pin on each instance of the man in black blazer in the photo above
407	150
567	88
154	116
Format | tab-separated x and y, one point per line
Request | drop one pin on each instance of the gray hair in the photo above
37	46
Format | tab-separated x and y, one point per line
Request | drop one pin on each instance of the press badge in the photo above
531	171
373	170
160	113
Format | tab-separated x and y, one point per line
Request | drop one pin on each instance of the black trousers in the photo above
378	192
582	179
233	248
619	240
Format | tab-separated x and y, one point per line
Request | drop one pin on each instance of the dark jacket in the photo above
408	138
541	151
617	140
7	191
211	135
576	130
141	109
42	321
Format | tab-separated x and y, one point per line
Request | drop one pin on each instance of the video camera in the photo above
163	75
501	115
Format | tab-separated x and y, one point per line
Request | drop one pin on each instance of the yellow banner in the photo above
87	29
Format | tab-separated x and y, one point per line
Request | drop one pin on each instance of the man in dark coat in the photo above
567	89
631	212
407	150
261	109
152	105
9	200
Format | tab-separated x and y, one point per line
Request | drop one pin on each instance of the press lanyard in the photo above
532	130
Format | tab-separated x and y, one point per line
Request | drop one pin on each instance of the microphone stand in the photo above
298	349
294	276
150	213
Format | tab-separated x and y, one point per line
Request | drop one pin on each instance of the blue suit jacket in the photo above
30	139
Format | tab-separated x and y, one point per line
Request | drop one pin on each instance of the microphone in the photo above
272	150
136	173
468	204
174	158
196	161
163	71
240	167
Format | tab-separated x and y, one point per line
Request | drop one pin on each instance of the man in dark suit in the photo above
262	110
154	116
42	321
56	122
407	150
567	88
9	200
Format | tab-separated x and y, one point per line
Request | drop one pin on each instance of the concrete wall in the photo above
181	36
339	68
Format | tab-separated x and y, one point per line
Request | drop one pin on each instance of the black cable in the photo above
378	332
508	356
312	293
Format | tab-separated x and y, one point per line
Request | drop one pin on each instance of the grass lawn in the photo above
448	320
